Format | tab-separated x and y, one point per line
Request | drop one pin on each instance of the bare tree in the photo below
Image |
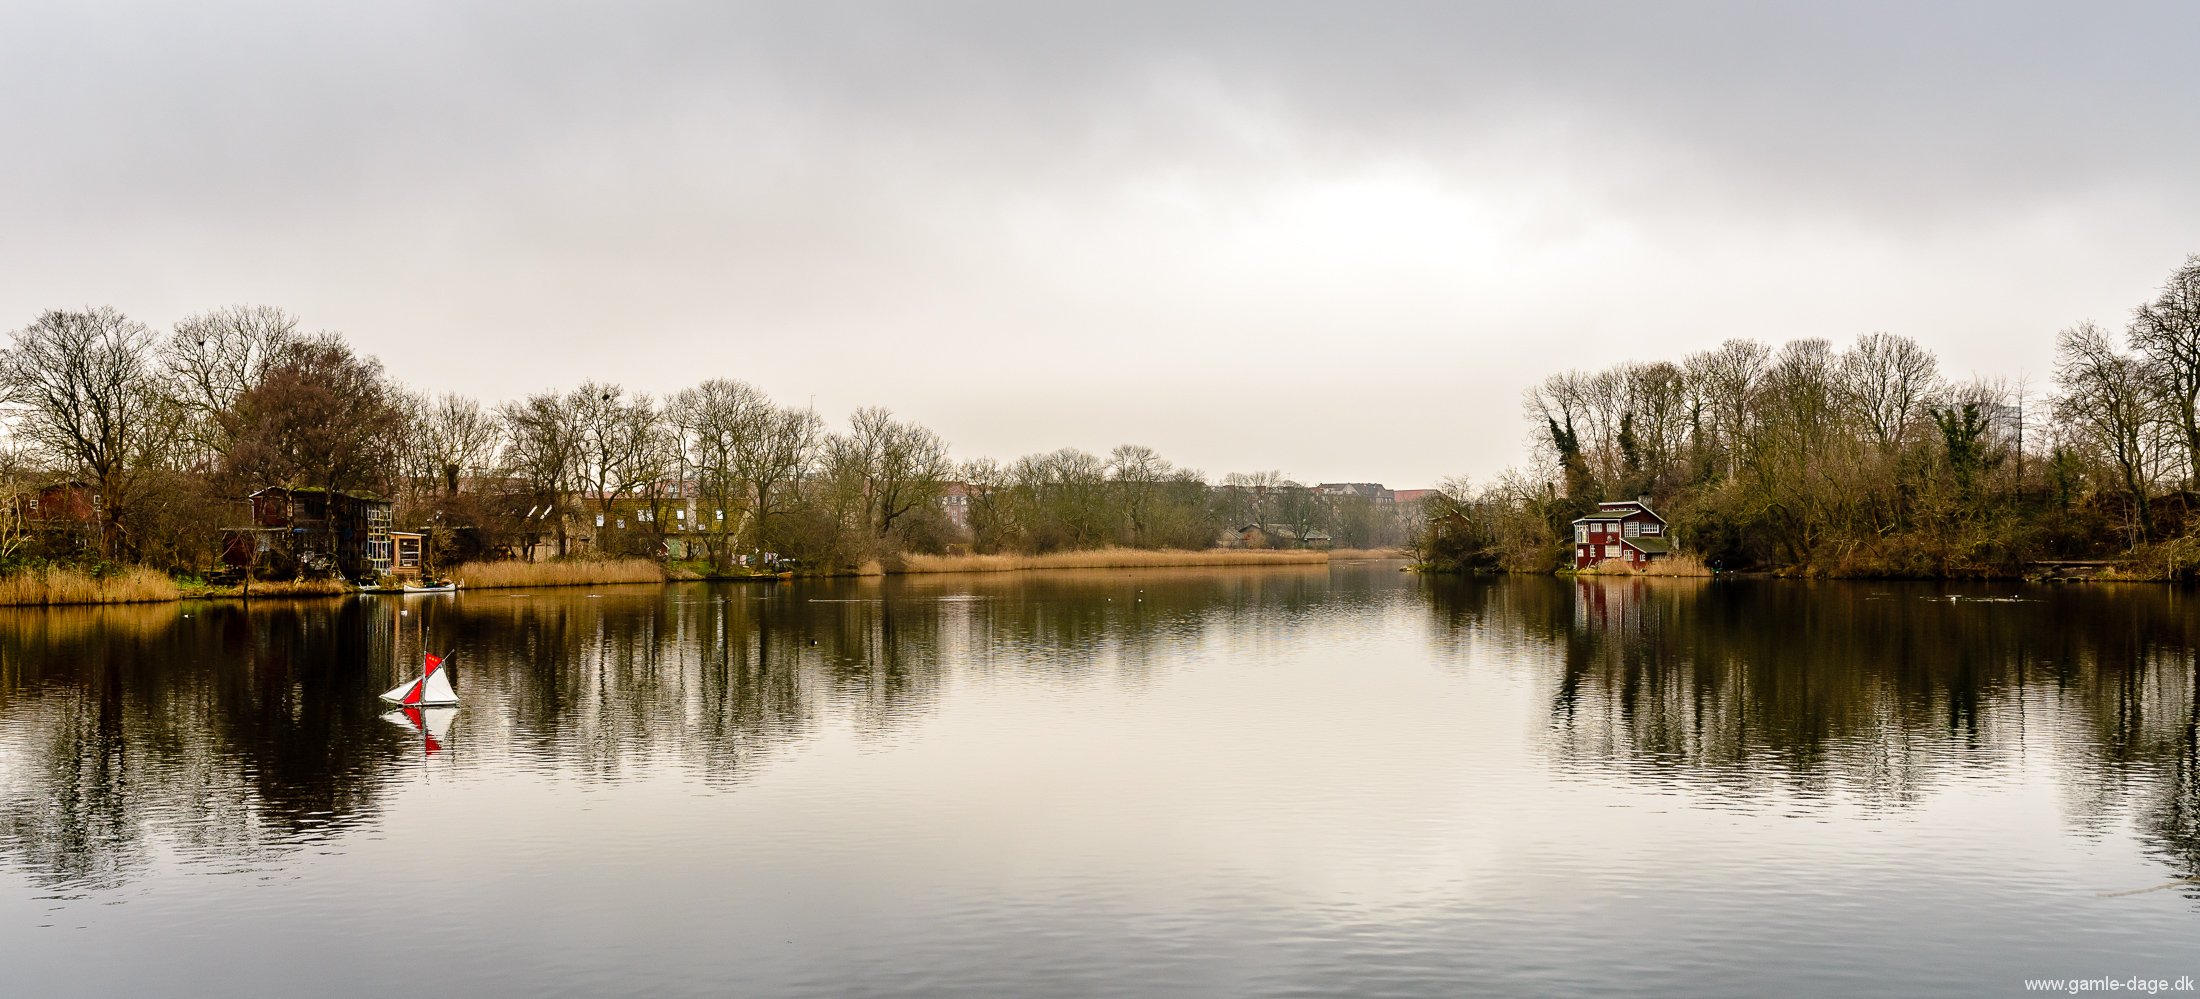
452	436
1727	378
1658	408
1139	473
710	421
1254	493
622	445
1886	380
321	415
214	357
83	385
775	450
1067	491
542	448
903	464
2105	408
995	520
2166	333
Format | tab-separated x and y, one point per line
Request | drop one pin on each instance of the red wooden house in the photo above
63	519
1625	531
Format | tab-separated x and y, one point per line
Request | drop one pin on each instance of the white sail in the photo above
402	716
403	692
437	721
437	689
433	725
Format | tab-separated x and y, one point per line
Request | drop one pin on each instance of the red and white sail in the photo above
434	688
433	725
404	693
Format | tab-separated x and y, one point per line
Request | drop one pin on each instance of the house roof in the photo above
1619	510
314	491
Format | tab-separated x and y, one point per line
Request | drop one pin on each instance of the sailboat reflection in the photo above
432	724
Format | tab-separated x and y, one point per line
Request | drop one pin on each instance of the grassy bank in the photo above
282	588
1106	558
48	586
57	587
1357	554
507	575
1674	565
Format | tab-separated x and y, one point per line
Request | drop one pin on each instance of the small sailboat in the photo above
433	725
432	688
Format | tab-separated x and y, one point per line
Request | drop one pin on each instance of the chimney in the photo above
1643	499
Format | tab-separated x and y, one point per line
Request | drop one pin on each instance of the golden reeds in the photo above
47	585
1671	565
1108	558
292	588
1342	554
501	575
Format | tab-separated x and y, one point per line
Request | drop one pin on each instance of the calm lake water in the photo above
1291	781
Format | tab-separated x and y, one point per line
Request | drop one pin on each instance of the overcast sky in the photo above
1337	240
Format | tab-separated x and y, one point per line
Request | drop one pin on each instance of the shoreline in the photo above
68	588
1105	558
1795	576
71	588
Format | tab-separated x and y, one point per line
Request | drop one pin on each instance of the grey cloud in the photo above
738	181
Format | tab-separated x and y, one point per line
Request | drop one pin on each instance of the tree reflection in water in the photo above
234	735
1871	690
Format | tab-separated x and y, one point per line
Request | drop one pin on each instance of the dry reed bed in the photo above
1107	558
1672	565
288	588
1342	554
509	575
51	586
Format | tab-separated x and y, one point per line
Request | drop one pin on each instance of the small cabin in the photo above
405	555
1624	531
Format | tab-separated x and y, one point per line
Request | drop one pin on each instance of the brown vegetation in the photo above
288	588
46	586
576	572
1808	460
1344	554
161	436
1108	558
1671	565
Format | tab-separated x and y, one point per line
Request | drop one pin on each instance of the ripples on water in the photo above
1270	782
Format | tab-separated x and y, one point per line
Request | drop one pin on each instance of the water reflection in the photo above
228	733
1870	693
234	737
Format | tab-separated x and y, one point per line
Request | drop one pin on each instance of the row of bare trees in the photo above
161	428
1866	459
169	430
